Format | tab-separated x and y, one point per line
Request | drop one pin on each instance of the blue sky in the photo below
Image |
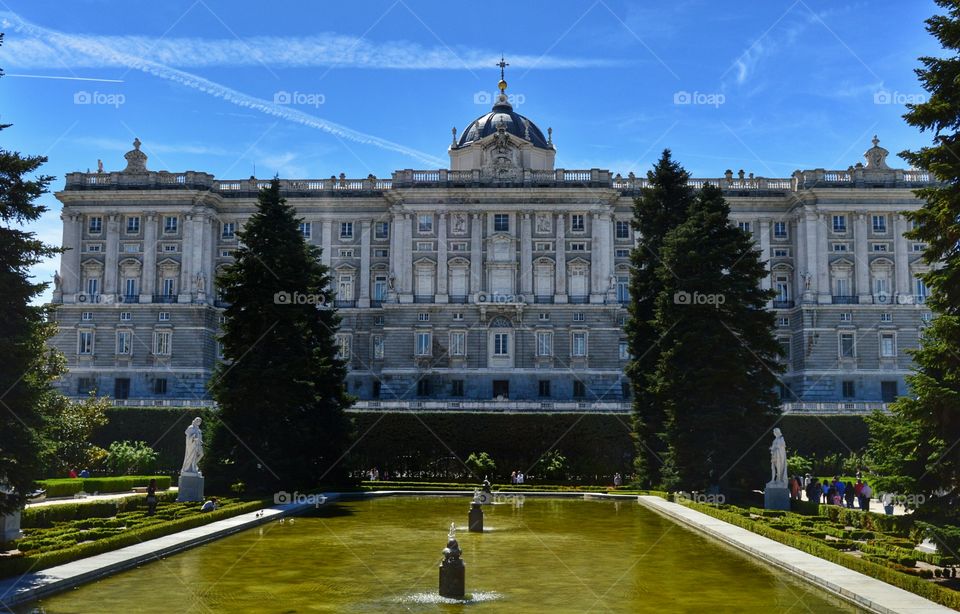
376	86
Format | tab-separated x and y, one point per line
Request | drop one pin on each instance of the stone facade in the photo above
500	278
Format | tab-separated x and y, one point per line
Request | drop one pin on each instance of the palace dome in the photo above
514	123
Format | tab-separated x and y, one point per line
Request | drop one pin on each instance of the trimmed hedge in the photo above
869	521
10	566
884	573
67	487
44	516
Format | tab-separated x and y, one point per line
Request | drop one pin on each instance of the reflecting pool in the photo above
376	555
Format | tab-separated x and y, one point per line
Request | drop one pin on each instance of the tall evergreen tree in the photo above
28	367
280	388
661	207
716	373
916	450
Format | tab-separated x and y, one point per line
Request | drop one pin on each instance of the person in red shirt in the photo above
73	473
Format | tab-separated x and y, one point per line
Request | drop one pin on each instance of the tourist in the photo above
209	505
795	488
857	488
825	492
73	473
865	494
887	499
617	480
513	477
813	491
152	497
84	474
848	494
806	481
520	477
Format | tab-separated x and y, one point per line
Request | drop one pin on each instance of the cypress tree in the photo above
280	389
661	207
716	373
28	366
915	449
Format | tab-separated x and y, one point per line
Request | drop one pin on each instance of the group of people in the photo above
832	492
83	473
517	477
374	475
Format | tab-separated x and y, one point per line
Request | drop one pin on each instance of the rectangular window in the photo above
226	253
96	225
543	317
85	342
124	316
579	389
783	321
375	390
163	316
381	253
886	317
423	344
228	230
920	290
544	344
458	316
133	225
501	222
458	246
130	287
622	229
86	385
846	316
161	342
170	248
458	343
168	286
578	246
784	346
423	317
543	388
846	345
501	344
780	230
93	285
306	229
578	316
781	253
624	350
577	223
888	391
94	247
378	347
346	253
578	345
425	222
86	316
381	230
879	247
839	247
343	347
888	345
424	246
170	224
879	224
423	388
124	338
744	226
839	224
622	253
848	391
346	230
456	388
160	385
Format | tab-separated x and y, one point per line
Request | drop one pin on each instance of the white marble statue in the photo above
778	459
194	451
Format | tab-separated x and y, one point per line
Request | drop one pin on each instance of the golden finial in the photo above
503	84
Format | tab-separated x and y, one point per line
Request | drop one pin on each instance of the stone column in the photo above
901	256
186	260
763	230
364	300
476	253
110	259
326	242
820	257
560	291
70	259
599	257
406	248
526	255
148	284
442	258
861	258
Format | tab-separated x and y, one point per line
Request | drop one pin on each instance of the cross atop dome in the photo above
502	64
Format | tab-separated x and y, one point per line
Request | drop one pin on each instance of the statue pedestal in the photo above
776	496
190	487
475	518
10	527
453	579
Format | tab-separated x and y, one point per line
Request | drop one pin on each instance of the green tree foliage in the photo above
280	388
28	367
716	372
131	458
71	430
660	208
915	450
481	464
553	466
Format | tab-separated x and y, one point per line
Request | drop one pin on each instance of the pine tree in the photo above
661	207
716	373
916	450
28	367
280	389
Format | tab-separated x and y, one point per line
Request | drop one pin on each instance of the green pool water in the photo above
381	555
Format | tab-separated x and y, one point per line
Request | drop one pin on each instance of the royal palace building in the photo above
499	283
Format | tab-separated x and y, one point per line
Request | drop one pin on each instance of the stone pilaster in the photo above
901	257
112	256
476	253
599	256
186	260
561	256
326	242
526	255
406	250
763	231
442	258
861	258
148	284
70	259
364	300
